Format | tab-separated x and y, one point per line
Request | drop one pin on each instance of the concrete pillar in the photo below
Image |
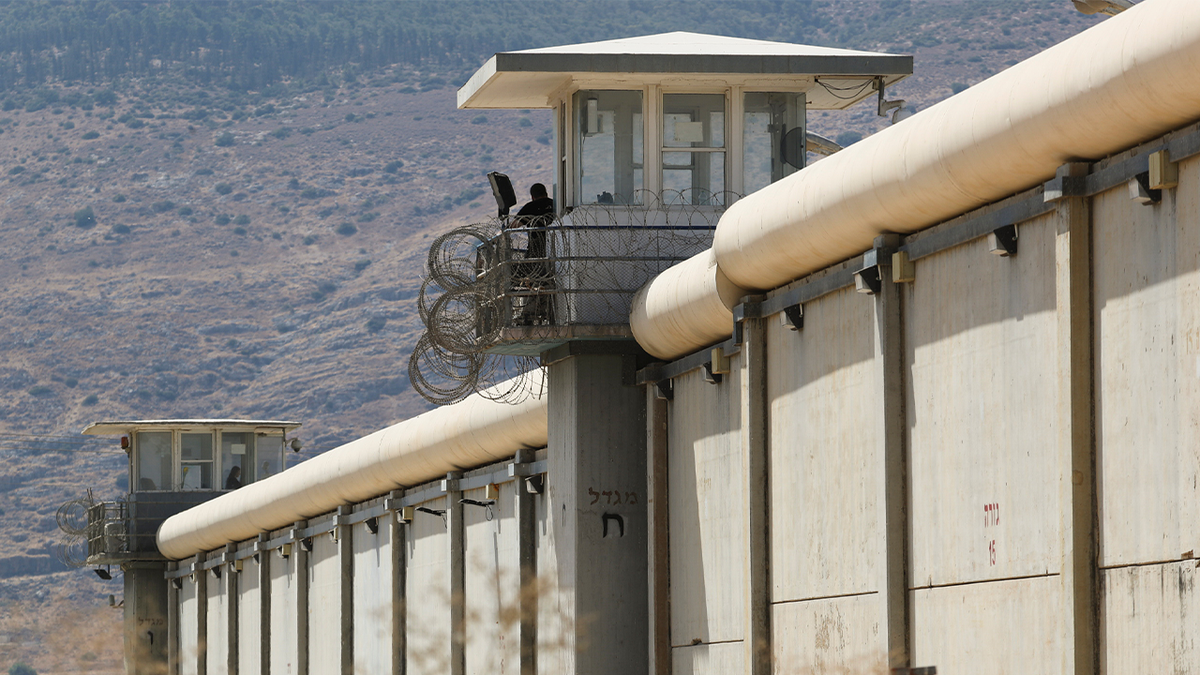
145	618
527	563
658	550
301	577
263	556
756	514
231	613
345	552
597	509
201	581
172	623
1076	427
889	327
399	592
458	575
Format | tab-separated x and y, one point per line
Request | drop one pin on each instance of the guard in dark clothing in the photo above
234	480
536	275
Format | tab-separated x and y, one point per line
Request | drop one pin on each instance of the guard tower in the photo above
173	465
654	137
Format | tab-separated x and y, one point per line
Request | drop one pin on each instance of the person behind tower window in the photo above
234	480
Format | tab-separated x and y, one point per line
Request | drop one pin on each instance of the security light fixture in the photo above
104	574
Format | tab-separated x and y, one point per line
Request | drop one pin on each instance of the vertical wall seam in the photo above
345	553
301	557
458	655
757	491
659	544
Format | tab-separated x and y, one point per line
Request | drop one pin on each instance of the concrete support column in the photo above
1076	426
658	550
458	575
889	327
263	557
756	515
527	563
597	510
399	592
301	557
145	617
345	551
172	623
201	581
231	612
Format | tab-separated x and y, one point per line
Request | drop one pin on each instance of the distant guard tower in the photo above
654	137
173	465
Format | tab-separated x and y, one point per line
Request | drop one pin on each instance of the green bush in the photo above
346	229
163	206
223	219
282	133
524	122
240	231
91	135
393	166
120	228
90	399
959	87
223	188
242	219
376	324
479	119
85	218
310	239
119	198
362	265
40	391
204	172
16	170
225	140
185	211
21	668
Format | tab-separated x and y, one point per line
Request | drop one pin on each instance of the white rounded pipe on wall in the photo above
471	433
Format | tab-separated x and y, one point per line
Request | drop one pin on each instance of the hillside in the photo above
177	248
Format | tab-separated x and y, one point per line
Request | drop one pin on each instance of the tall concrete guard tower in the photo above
654	137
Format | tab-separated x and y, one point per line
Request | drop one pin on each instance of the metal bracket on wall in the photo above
1003	241
793	317
665	390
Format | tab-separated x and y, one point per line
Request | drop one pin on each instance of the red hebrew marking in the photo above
992	552
991	515
631	497
595	496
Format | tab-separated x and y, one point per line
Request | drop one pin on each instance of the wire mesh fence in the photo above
494	290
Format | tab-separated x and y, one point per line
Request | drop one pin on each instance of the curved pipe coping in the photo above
1126	80
471	433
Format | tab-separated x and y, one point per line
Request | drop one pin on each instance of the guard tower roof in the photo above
836	78
125	426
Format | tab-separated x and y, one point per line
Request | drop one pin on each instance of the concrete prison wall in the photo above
986	464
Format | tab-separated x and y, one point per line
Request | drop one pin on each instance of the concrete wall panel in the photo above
373	577
983	471
993	628
824	449
324	606
492	584
284	649
189	636
428	593
553	606
708	659
707	534
1147	295
830	635
1151	619
218	618
249	607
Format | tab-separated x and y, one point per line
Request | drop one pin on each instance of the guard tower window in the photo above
196	451
696	122
237	450
270	456
610	154
153	461
773	138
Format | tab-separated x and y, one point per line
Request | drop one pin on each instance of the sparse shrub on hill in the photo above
393	166
21	668
959	87
346	229
376	324
16	170
225	140
282	133
119	198
223	188
204	172
222	219
163	206
848	138
242	219
90	135
85	218
90	400
120	228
